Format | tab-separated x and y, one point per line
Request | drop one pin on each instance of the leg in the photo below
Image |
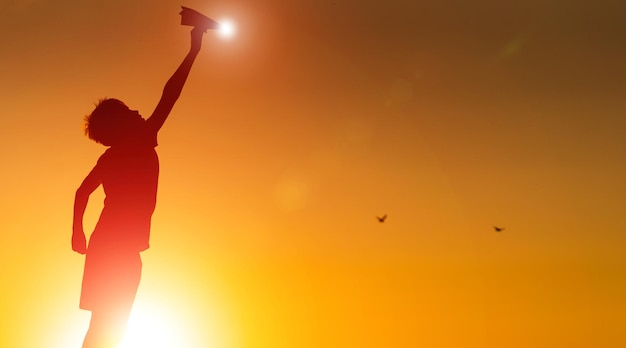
109	287
106	328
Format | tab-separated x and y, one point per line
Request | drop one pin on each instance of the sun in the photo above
227	29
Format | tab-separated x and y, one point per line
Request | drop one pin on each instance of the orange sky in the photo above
286	143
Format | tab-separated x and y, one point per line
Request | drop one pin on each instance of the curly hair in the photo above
102	124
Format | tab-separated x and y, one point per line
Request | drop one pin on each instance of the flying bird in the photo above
382	219
498	229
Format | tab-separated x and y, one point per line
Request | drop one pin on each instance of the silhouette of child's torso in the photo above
129	173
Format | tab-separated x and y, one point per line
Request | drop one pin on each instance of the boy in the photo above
128	171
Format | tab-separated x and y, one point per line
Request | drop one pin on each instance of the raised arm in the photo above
91	182
174	85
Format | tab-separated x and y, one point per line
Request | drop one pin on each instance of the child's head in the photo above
110	121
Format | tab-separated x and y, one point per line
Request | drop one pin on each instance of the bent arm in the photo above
91	182
174	85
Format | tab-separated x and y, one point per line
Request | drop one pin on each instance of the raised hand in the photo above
196	38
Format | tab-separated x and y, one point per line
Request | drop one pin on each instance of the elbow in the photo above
171	92
82	193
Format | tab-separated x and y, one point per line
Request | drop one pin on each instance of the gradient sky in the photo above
449	116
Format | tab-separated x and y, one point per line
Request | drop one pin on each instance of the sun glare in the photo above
148	327
227	29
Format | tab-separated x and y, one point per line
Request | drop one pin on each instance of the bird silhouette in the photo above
382	219
498	229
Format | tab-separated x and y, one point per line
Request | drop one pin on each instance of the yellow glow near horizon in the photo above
149	326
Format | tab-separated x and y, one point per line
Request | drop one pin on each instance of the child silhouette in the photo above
128	171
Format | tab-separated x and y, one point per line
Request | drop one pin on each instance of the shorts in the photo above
110	279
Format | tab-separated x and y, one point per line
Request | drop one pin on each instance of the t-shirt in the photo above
129	172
